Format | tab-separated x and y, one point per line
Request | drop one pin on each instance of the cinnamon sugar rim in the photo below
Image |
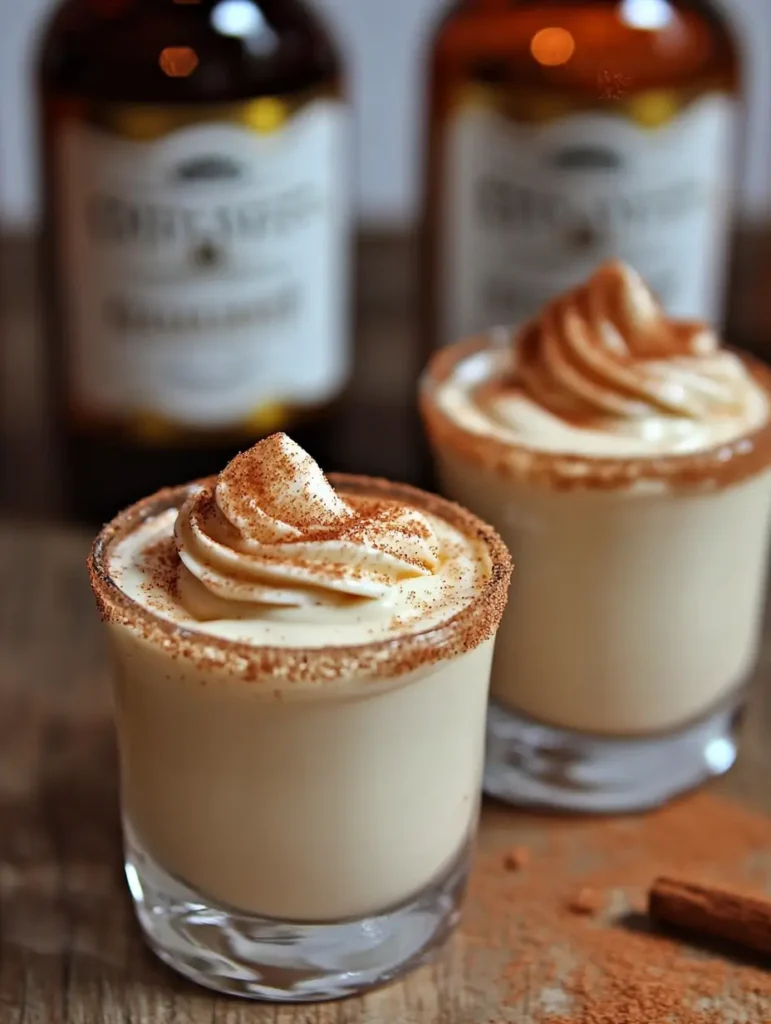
309	667
720	466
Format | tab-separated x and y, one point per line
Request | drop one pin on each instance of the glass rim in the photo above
309	667
716	467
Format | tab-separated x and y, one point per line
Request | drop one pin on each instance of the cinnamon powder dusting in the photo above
161	563
369	503
267	480
517	859
586	901
565	939
279	476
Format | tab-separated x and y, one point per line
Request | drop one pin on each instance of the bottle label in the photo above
531	209
205	272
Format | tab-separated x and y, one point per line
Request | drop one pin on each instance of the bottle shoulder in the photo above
156	51
646	13
647	43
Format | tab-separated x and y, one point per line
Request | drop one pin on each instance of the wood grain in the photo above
70	952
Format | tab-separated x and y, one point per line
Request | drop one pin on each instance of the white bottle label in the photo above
530	210
206	272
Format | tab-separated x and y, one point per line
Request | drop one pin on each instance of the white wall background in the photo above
383	39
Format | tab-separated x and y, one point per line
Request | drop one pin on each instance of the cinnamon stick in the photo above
710	911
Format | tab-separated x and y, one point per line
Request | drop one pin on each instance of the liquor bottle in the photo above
566	132
196	236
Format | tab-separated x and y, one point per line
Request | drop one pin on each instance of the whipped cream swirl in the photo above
603	372
607	350
273	531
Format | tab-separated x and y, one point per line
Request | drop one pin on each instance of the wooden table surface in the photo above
70	952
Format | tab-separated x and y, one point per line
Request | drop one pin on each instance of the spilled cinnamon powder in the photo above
586	901
517	859
565	938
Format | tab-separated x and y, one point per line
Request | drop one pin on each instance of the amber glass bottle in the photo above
196	236
566	132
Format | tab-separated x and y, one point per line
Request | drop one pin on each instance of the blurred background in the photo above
383	41
384	47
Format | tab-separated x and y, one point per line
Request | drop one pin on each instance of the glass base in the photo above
259	958
541	766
